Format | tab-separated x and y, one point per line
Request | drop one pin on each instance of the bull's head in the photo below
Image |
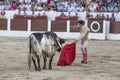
60	41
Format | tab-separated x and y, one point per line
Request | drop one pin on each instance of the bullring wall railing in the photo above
99	29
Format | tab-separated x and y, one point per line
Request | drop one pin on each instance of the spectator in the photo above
44	14
80	8
113	4
98	8
21	1
86	8
33	5
21	7
39	14
109	1
7	6
117	16
110	8
117	9
62	14
25	14
65	8
2	6
51	5
105	4
63	5
70	8
28	7
34	14
92	8
98	16
57	1
60	7
44	4
7	1
103	9
27	1
2	15
14	5
73	4
102	16
48	1
39	7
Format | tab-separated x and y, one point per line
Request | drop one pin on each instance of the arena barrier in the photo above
113	32
24	27
100	29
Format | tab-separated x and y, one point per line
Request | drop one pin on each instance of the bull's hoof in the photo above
39	69
44	67
50	68
36	69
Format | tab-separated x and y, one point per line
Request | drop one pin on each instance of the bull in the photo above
43	45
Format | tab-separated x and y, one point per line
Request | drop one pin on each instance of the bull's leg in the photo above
34	62
38	60
50	62
45	59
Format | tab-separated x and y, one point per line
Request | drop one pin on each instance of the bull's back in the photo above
38	36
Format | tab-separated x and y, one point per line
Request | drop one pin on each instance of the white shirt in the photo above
43	1
22	7
2	7
27	1
21	1
70	9
28	7
117	16
92	9
80	9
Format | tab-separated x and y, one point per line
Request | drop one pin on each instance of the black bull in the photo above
43	45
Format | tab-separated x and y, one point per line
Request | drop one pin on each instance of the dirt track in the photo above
104	62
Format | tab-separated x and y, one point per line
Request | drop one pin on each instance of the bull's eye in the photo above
57	39
54	44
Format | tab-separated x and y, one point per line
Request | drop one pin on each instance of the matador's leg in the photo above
84	50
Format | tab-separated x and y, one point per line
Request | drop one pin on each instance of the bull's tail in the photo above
29	56
30	45
29	61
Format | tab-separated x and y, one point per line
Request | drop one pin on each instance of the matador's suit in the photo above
84	32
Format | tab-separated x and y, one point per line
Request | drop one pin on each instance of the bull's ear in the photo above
62	40
65	39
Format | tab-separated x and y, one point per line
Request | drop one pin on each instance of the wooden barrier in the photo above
72	23
115	27
30	17
59	26
24	27
3	24
96	26
39	25
19	24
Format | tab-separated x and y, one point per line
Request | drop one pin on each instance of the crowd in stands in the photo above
62	5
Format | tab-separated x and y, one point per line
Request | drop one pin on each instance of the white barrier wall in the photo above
113	37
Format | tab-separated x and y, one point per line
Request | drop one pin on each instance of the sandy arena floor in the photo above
104	62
